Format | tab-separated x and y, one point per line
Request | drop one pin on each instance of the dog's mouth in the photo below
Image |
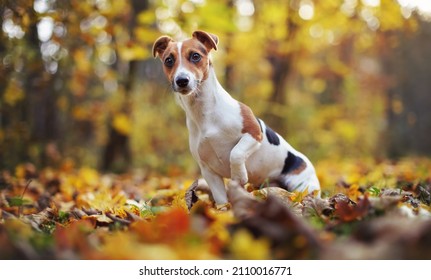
185	90
182	91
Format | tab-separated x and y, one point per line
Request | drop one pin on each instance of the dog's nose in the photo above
182	81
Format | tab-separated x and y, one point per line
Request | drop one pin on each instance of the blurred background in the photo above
338	78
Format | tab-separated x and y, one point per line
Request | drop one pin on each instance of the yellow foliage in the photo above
106	201
330	105
218	231
82	61
347	130
13	93
146	17
17	227
89	177
20	171
133	52
241	243
353	192
122	124
146	35
131	249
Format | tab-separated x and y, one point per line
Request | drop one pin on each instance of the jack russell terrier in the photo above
225	137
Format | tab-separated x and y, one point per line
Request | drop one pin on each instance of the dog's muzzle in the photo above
183	84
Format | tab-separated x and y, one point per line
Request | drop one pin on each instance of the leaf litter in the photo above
381	211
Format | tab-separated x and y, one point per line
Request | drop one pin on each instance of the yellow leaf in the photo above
146	17
133	52
89	176
105	201
122	124
82	60
131	249
13	93
20	171
245	247
354	192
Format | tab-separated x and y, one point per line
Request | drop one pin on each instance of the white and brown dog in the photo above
225	138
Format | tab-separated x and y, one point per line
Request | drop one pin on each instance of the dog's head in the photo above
186	64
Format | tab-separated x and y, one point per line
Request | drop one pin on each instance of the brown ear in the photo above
209	40
160	45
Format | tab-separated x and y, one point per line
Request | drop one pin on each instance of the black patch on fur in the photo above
291	163
272	136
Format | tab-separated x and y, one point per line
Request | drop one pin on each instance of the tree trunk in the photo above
281	62
118	145
408	100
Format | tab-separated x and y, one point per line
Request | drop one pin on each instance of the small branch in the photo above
22	198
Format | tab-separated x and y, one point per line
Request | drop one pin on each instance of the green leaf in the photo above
374	191
18	201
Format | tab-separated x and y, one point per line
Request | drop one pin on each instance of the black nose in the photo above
182	81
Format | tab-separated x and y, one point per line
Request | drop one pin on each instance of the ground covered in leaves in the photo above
368	210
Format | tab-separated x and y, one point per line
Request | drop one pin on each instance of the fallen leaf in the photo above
347	212
316	206
241	243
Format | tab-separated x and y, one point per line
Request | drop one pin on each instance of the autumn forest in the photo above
94	149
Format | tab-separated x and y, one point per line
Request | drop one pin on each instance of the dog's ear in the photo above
160	45
209	40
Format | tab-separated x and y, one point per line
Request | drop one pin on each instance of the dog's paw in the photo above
241	177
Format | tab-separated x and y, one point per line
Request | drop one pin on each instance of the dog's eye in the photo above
195	57
169	62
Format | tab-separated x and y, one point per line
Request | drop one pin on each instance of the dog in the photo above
225	137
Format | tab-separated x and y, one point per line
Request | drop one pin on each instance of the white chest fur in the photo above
214	123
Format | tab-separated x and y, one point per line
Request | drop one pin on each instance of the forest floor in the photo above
368	210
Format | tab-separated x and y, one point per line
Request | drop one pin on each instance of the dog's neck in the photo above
206	99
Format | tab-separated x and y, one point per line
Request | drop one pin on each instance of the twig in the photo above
22	198
116	219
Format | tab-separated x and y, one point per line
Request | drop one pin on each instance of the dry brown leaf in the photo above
348	212
243	203
195	191
313	206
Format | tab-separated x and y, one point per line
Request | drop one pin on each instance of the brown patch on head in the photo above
209	40
170	54
199	68
160	45
166	48
249	123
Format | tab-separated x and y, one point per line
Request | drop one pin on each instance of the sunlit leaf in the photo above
133	52
241	243
122	124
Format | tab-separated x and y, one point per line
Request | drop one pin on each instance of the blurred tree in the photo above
126	67
409	99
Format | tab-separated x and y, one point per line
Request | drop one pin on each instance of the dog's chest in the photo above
212	143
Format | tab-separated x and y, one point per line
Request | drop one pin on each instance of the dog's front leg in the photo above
246	146
216	185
